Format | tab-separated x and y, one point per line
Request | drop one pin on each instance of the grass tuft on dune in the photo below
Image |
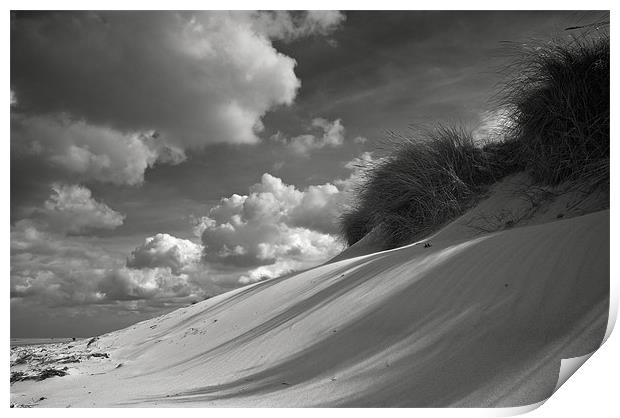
558	109
556	127
427	180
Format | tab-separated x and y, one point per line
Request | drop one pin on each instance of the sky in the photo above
161	158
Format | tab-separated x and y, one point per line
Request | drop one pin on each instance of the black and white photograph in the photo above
306	208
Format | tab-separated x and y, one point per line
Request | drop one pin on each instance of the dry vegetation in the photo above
557	128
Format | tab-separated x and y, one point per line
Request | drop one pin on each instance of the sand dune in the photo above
478	319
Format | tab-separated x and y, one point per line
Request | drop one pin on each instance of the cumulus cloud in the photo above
54	287
104	96
50	269
72	209
28	239
274	229
69	287
331	135
363	161
197	78
92	152
163	250
358	167
277	228
318	208
131	284
200	224
292	25
52	266
276	269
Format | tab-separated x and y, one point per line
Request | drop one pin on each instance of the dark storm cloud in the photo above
197	78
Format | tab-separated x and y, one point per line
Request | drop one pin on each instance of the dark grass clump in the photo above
558	109
426	180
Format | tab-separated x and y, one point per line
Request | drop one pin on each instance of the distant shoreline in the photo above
17	342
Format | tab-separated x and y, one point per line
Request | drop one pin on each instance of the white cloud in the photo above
152	283
27	237
318	209
358	167
276	269
332	135
287	26
322	21
163	250
92	152
200	224
361	162
49	269
196	77
275	226
71	208
53	287
274	229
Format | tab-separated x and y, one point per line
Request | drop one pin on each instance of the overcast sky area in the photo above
160	158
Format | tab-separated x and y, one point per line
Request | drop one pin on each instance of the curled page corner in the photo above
517	410
568	367
611	321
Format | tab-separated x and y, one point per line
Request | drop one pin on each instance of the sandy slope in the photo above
478	319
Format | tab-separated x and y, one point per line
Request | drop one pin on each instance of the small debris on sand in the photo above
91	341
38	375
23	359
104	355
17	376
69	359
36	363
